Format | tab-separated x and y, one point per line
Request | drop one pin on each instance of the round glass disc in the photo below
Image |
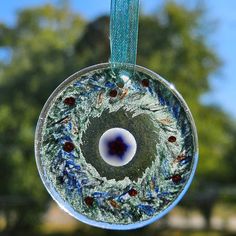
116	149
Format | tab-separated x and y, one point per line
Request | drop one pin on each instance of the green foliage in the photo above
50	43
173	45
42	47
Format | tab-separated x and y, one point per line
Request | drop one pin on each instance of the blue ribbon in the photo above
124	21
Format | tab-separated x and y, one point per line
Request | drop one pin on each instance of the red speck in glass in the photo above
113	93
172	139
89	201
68	147
145	83
176	178
70	101
132	192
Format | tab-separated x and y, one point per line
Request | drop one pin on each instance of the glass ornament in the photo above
116	148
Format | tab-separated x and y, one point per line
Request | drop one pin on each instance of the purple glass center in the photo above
117	147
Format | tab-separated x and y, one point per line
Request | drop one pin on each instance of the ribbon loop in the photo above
124	31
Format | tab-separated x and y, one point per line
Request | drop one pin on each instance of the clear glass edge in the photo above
64	205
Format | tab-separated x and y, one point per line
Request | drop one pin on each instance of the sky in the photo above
223	40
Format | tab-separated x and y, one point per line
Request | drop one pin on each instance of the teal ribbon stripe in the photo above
124	22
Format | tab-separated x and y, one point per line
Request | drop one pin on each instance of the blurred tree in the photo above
231	160
41	45
49	43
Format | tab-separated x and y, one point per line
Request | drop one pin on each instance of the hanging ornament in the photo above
116	144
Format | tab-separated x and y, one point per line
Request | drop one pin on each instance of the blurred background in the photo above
190	43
